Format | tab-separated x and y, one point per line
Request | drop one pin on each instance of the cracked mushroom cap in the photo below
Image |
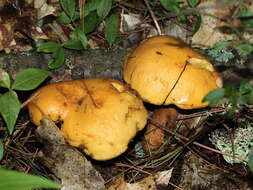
164	70
99	115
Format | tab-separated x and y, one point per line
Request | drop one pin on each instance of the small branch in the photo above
90	95
133	167
153	17
202	113
195	143
34	96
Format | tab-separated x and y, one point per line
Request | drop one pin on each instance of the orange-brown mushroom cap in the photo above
101	118
56	100
164	70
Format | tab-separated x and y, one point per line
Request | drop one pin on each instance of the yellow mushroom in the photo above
164	70
99	115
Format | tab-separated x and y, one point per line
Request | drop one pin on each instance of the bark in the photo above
89	63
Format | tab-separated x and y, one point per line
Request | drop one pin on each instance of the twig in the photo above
202	113
175	84
153	17
133	167
24	104
195	143
175	186
90	95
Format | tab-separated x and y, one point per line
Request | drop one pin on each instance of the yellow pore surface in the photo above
164	70
102	117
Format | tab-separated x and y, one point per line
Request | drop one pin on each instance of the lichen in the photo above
222	56
242	139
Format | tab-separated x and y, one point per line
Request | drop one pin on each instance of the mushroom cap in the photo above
56	100
164	70
101	118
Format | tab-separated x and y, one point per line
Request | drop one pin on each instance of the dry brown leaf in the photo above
212	29
43	8
18	26
158	181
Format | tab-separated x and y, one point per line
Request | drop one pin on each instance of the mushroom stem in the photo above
154	136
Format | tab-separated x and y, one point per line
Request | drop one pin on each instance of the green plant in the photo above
234	97
246	16
250	163
1	150
13	180
231	96
179	8
25	80
243	48
84	21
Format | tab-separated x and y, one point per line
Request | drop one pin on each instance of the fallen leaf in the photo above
160	180
130	21
212	27
43	8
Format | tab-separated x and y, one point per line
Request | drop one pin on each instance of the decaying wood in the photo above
65	161
82	64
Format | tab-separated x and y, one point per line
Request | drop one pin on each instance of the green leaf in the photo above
198	23
222	45
171	5
90	6
104	8
246	16
214	97
244	49
245	12
112	29
78	40
73	44
1	150
251	159
230	90
245	87
58	59
69	7
29	79
181	18
245	93
13	180
63	18
48	47
245	99
89	23
4	79
9	109
80	35
193	3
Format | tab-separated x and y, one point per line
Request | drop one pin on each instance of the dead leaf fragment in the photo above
130	21
18	27
43	8
159	181
212	27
